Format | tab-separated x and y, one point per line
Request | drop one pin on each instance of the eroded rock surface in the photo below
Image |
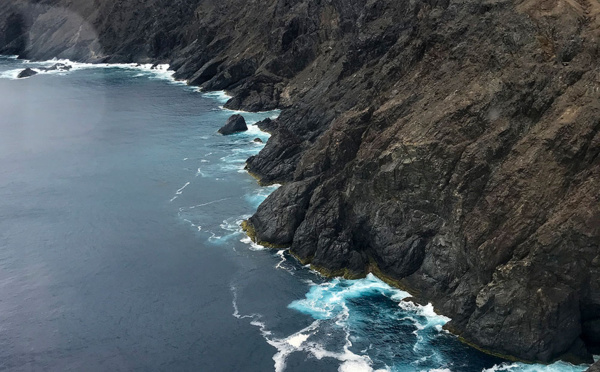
235	123
26	73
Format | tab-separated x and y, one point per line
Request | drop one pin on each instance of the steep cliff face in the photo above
449	146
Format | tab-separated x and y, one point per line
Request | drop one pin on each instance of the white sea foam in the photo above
220	96
180	191
281	254
10	74
326	300
521	367
161	71
253	245
327	304
205	204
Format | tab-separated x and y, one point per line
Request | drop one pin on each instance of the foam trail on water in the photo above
205	204
521	367
161	71
301	341
182	188
220	96
180	191
280	253
344	305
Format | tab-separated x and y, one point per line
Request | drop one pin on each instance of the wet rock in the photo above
58	67
257	140
26	73
236	123
267	125
280	231
594	368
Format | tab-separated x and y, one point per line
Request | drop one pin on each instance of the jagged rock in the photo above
206	72
295	201
26	73
267	125
58	67
236	123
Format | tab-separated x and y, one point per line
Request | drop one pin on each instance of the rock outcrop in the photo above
594	368
26	73
235	123
58	67
449	146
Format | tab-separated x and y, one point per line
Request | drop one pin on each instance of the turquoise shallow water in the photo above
120	246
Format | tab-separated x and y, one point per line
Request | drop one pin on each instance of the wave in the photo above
220	96
521	367
305	341
160	71
377	325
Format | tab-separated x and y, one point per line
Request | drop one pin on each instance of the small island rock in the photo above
236	123
26	73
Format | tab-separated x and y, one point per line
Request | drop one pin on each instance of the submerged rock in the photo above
26	73
258	140
236	123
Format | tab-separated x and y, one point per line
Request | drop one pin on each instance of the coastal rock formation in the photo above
26	73
236	123
58	67
451	147
594	368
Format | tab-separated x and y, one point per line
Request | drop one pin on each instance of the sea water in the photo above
121	250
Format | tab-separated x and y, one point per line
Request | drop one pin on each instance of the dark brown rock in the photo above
26	73
236	123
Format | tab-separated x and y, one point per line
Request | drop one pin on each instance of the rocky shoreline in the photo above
454	146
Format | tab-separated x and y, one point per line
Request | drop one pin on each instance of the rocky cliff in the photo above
450	146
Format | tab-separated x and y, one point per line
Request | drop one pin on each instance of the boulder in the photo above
236	123
258	140
26	73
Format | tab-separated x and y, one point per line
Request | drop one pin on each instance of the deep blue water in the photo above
120	247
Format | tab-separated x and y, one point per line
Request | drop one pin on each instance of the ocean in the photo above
121	250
